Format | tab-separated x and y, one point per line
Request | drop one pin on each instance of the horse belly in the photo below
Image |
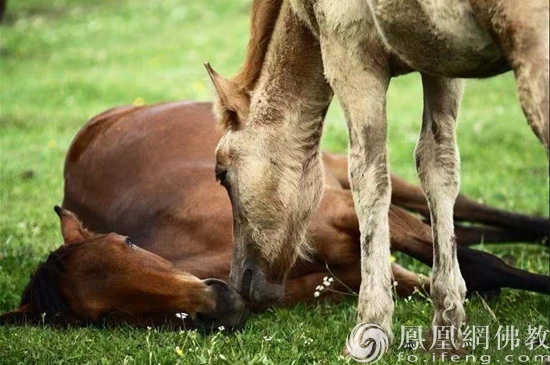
438	36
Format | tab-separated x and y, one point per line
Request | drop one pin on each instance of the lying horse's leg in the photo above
466	236
410	196
482	271
437	164
521	29
334	233
302	288
517	227
361	84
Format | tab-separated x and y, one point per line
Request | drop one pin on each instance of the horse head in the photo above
95	278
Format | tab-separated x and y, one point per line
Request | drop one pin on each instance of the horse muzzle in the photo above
230	311
249	279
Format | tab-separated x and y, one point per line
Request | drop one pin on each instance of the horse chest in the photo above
436	36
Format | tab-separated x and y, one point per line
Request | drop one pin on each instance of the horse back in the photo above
148	172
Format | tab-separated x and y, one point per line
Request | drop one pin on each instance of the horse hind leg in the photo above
437	163
532	84
528	56
521	29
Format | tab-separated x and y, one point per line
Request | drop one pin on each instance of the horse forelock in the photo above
42	294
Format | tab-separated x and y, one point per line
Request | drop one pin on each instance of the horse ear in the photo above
16	317
71	228
233	103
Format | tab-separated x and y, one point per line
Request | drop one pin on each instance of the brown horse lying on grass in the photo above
148	173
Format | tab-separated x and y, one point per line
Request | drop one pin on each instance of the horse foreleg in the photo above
468	210
361	85
485	272
437	164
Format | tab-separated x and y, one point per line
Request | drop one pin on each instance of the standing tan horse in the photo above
273	111
147	173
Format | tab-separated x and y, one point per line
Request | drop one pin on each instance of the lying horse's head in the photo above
104	277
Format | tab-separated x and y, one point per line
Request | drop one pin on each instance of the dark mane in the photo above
42	293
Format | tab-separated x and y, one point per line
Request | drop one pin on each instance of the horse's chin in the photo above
265	292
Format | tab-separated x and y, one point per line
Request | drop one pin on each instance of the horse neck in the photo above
291	90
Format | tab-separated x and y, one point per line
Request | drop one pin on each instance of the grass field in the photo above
63	61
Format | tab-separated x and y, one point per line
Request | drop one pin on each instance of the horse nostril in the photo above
230	310
217	283
246	283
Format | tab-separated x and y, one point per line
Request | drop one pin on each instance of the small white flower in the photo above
267	338
316	294
327	283
181	315
395	283
319	288
221	328
330	280
325	278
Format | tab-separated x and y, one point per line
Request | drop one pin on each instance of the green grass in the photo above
64	61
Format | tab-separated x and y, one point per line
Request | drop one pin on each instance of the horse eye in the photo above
129	242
